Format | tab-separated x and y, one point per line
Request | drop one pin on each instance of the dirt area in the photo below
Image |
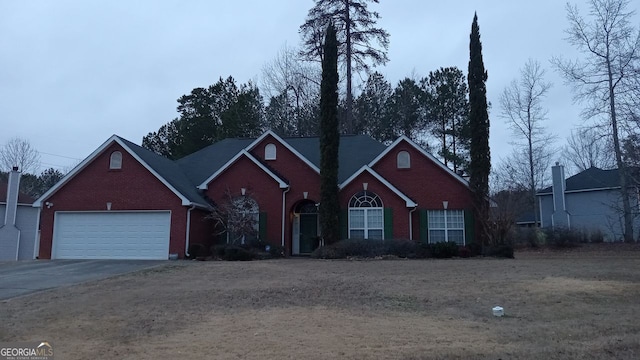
558	305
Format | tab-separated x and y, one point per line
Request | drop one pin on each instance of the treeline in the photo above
433	111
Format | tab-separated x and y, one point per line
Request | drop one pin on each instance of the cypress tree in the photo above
329	140
480	164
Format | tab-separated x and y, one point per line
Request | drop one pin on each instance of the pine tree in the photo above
356	24
480	164
329	140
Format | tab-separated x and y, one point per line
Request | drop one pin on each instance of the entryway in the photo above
305	228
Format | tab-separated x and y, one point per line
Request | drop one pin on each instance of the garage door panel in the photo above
112	235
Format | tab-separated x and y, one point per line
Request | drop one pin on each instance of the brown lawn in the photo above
559	305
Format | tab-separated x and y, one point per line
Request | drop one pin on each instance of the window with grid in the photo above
366	216
446	225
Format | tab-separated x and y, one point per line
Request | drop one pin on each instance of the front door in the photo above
308	233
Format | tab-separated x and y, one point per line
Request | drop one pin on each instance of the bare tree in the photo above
610	46
291	85
521	105
236	217
19	152
588	148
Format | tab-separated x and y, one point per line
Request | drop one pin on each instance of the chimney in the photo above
560	216
13	187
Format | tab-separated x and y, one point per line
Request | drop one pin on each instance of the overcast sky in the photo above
72	73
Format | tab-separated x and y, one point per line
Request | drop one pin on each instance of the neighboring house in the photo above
18	221
124	201
588	201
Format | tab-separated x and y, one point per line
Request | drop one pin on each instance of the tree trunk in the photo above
349	114
626	206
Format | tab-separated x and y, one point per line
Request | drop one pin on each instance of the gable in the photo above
163	165
132	186
248	161
427	181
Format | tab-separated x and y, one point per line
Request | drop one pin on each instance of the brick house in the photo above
124	201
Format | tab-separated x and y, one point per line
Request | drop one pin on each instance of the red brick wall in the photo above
131	188
202	231
425	182
300	176
389	200
262	187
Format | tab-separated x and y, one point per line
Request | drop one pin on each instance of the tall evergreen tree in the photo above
208	115
356	26
329	140
480	164
448	109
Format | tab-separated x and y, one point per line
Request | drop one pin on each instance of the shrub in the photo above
464	252
563	237
596	236
276	251
403	248
231	252
445	250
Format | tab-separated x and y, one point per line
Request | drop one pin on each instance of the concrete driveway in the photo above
25	277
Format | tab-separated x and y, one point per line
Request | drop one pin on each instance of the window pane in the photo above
356	234
375	234
375	219
436	236
356	219
456	236
436	219
455	219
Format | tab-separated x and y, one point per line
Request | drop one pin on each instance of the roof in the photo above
589	180
168	170
187	176
200	165
22	197
354	152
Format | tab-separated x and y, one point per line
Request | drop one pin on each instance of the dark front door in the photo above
308	233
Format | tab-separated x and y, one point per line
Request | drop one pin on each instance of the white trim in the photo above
582	190
89	159
284	205
285	144
187	235
423	152
36	241
408	201
281	183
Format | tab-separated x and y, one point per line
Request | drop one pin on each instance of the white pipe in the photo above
186	239
284	198
36	241
411	222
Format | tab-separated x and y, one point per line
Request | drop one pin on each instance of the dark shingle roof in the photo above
22	197
203	163
170	171
355	151
187	173
590	179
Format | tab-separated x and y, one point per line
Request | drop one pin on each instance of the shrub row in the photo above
401	248
555	237
247	252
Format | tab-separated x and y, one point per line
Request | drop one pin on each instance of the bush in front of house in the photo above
563	237
501	251
401	248
445	250
256	250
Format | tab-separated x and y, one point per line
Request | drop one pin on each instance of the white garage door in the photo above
111	235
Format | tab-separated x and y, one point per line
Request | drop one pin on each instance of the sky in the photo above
73	73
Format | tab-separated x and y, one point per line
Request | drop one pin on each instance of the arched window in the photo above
366	216
404	160
243	220
270	152
115	162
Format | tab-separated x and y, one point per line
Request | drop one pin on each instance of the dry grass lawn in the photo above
559	305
